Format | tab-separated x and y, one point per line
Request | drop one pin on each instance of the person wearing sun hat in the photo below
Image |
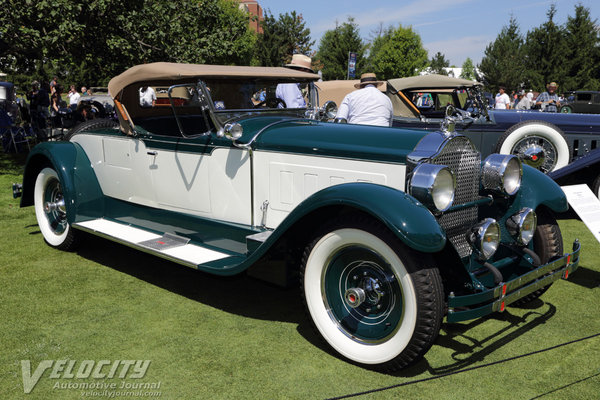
549	100
290	93
366	106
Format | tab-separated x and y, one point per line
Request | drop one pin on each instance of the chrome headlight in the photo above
484	237
502	173
433	185
522	225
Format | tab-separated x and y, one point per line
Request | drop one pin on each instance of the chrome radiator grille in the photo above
464	160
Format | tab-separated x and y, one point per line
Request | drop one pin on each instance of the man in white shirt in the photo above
290	92
73	97
502	100
147	96
368	105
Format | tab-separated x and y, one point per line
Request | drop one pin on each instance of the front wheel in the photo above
51	211
374	300
566	109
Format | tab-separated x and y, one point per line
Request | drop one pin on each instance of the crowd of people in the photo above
548	101
48	108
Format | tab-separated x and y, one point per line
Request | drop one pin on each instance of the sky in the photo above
456	28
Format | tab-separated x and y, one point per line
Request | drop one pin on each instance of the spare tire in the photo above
91	125
539	144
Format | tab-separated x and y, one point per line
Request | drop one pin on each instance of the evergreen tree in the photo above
468	70
545	49
438	64
502	64
583	52
335	46
281	38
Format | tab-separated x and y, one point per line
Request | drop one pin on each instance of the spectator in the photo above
548	100
524	103
56	103
367	106
84	91
502	100
73	97
290	93
147	96
53	84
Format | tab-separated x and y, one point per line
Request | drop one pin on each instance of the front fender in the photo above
80	186
539	189
411	221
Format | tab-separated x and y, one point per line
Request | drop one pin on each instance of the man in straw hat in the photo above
290	92
549	100
366	106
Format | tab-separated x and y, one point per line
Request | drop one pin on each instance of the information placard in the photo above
586	205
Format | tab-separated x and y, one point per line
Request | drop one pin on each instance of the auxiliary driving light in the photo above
484	237
434	186
522	225
502	173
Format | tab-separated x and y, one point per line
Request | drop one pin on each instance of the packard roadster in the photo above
388	233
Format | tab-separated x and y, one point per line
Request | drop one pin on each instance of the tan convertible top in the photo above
337	90
430	82
173	72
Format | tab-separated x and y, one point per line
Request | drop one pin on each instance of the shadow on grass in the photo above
585	277
466	354
238	294
12	164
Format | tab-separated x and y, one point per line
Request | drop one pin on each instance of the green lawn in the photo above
236	338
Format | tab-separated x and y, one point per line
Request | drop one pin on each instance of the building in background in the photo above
255	11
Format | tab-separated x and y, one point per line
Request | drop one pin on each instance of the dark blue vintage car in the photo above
546	141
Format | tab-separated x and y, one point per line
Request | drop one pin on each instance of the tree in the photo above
87	42
281	38
397	53
335	47
438	64
502	63
544	53
468	70
583	52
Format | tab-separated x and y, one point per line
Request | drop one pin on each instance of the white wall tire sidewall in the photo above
562	149
44	177
313	275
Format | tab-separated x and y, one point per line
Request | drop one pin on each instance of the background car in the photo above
583	102
388	230
546	141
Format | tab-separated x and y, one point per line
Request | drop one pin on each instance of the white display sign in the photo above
586	205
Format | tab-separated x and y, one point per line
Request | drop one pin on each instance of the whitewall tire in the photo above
399	315
537	143
50	210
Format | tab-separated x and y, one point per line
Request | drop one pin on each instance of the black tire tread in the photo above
426	279
90	125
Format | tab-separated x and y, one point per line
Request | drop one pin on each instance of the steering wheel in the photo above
272	102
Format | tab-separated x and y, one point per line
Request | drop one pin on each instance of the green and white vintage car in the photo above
390	231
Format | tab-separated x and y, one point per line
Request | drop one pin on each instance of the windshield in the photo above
230	99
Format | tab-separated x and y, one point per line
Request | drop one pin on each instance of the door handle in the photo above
151	153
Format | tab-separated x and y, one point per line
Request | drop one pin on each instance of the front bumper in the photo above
462	308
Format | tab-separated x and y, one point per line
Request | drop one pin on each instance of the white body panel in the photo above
215	185
285	180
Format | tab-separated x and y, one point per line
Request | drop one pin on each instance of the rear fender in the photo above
81	190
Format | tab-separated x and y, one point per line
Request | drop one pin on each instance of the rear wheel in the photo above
51	211
537	143
90	125
566	109
374	300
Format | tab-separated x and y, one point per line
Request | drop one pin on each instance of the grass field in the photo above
239	338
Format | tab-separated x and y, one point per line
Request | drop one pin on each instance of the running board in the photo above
171	247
